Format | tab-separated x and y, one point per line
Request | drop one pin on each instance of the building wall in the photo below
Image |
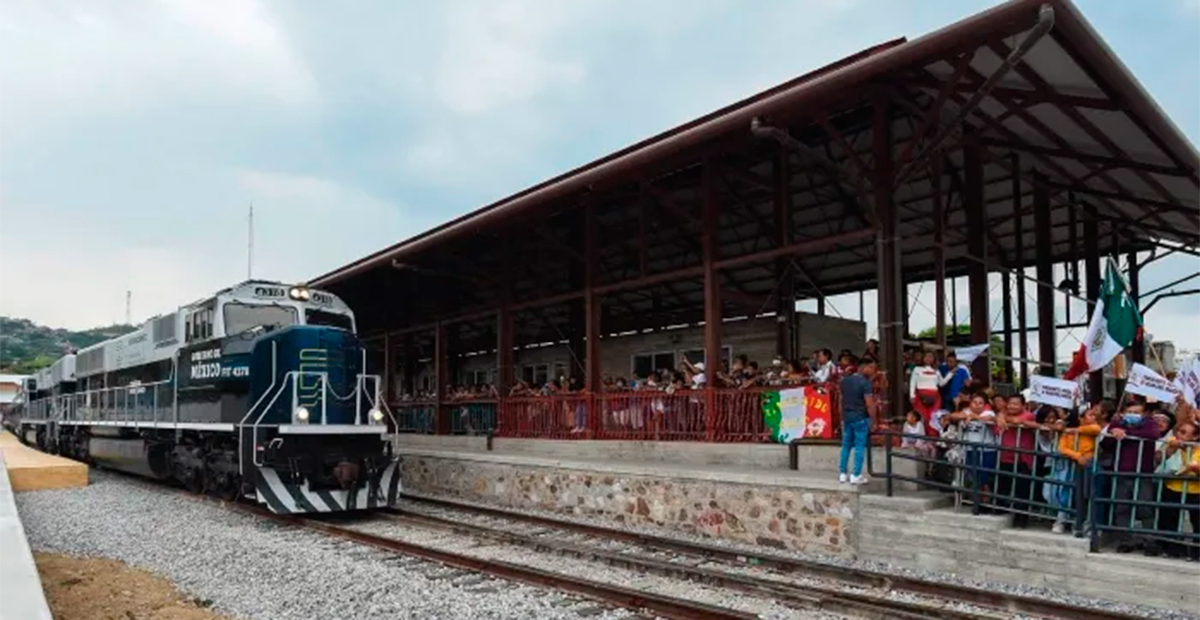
753	338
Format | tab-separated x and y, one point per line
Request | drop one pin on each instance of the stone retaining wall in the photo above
815	521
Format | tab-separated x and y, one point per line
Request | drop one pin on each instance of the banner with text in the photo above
800	413
1187	379
1053	391
1143	380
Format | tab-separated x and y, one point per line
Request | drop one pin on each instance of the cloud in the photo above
133	136
105	58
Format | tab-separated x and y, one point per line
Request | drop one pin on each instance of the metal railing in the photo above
1133	491
707	415
145	402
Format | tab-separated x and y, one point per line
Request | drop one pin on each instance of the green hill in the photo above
26	347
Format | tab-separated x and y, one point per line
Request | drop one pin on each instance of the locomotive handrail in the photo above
254	428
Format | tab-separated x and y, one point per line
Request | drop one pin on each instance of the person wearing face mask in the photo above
1132	436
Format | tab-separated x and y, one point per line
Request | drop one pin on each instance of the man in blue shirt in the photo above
858	401
954	377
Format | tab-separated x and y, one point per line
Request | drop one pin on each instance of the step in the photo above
907	502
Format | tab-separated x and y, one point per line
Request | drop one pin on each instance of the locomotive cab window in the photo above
329	319
243	317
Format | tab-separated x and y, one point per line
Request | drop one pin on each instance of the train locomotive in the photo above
260	391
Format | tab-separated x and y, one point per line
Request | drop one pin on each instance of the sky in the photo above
134	135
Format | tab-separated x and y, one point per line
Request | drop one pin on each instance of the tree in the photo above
961	333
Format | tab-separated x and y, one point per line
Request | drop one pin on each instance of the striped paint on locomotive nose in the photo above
285	498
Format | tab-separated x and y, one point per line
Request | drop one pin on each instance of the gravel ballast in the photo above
253	569
874	566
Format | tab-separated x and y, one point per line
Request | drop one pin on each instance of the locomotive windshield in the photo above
241	317
330	319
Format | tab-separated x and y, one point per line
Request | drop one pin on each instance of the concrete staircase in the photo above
923	531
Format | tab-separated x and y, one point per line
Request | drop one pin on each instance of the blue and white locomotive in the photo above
259	391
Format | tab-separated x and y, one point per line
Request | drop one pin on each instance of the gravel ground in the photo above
439	538
762	574
253	569
880	567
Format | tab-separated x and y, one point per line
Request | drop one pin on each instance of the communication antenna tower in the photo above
250	243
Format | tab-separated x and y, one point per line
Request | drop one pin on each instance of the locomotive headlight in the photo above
376	415
302	414
299	293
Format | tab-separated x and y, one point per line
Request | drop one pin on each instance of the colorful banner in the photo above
1144	381
799	413
1052	391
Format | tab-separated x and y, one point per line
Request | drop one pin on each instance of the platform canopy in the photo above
787	183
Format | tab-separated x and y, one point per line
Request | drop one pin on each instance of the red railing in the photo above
724	416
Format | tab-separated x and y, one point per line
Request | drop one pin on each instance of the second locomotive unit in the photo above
259	391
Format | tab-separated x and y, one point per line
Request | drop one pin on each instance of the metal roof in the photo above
1069	112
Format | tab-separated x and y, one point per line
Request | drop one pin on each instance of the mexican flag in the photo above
1115	324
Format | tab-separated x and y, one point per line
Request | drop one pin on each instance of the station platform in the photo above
744	493
20	586
30	470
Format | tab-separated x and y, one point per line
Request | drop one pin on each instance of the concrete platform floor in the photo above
30	470
21	595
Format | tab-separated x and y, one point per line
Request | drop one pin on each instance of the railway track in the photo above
789	582
846	590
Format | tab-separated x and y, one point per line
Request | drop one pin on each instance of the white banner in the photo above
967	355
1144	381
1187	379
1053	391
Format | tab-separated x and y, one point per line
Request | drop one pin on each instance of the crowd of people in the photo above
1129	469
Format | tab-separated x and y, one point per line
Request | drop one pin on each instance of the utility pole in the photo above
250	244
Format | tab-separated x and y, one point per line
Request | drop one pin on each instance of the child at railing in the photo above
1077	448
1181	457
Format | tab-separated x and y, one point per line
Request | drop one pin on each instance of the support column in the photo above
1019	230
409	381
785	308
905	305
1091	270
1139	343
1047	345
939	255
577	308
591	302
712	293
441	374
1006	291
977	274
891	318
389	369
506	374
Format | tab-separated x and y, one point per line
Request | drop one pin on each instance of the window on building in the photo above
536	375
645	363
697	355
478	377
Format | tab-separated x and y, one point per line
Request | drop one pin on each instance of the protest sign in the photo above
1146	382
1052	391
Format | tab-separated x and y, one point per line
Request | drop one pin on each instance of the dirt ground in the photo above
98	589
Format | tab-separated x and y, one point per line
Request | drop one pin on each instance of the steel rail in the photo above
991	599
828	599
629	598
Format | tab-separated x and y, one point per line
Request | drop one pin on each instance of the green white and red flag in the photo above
1116	323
